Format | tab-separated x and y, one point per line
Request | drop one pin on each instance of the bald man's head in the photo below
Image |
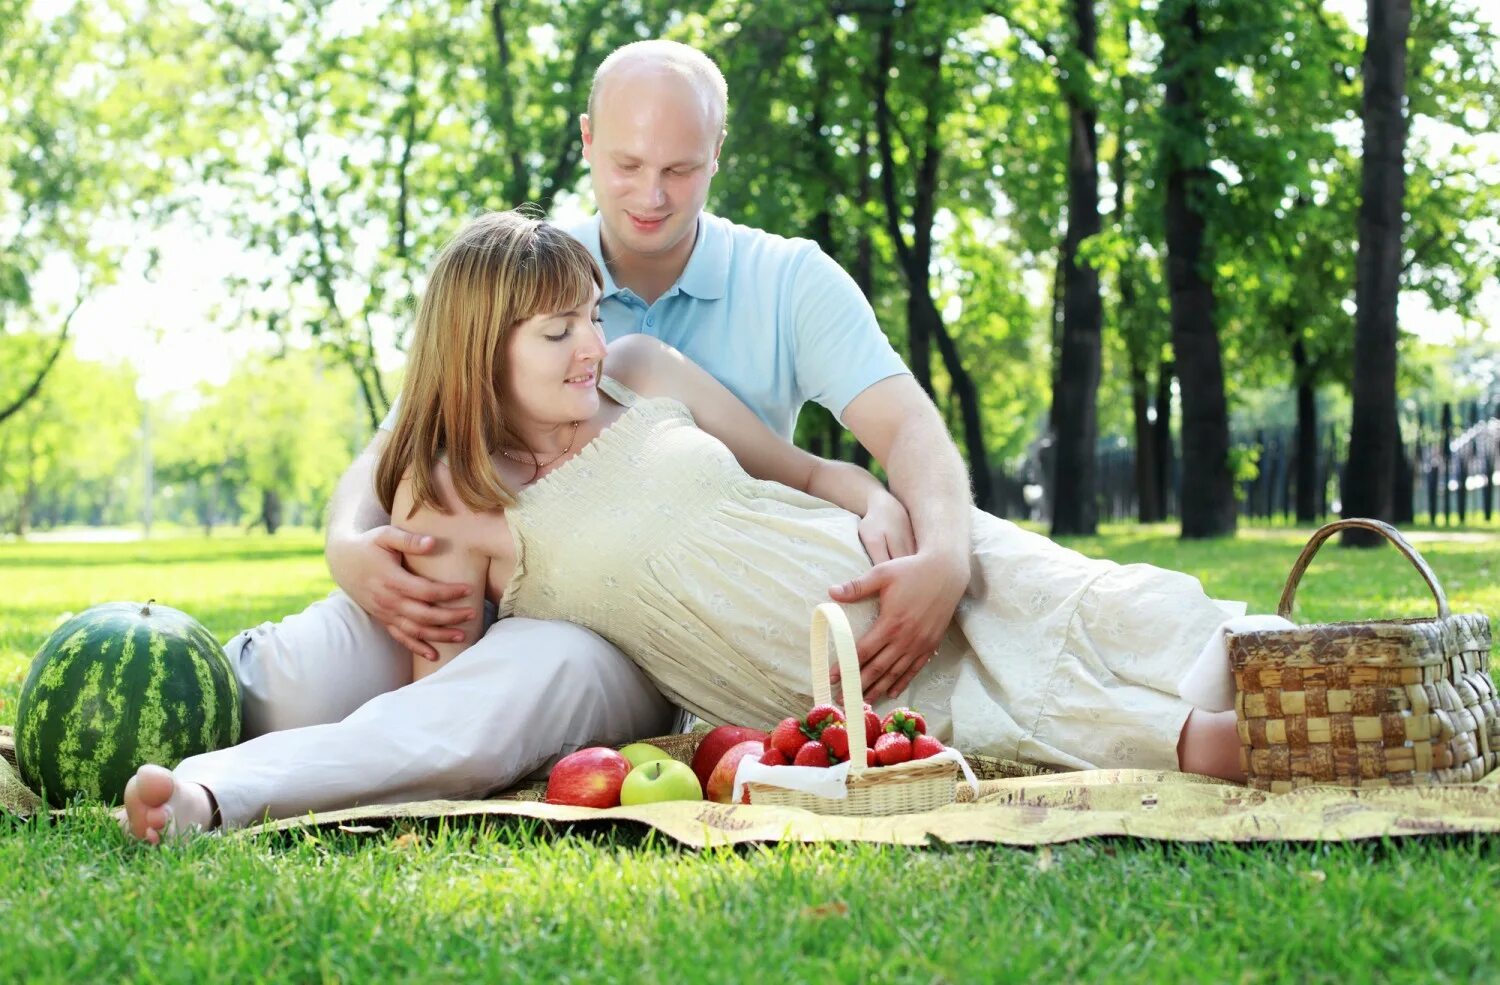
670	59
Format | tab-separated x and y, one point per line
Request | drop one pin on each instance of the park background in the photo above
1155	241
1122	242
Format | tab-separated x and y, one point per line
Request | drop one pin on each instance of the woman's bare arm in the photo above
464	545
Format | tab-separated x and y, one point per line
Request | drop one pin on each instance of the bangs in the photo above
557	273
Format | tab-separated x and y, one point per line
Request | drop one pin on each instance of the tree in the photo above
384	132
67	455
1208	502
1370	487
1074	407
922	69
269	443
58	180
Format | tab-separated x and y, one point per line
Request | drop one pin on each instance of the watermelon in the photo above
116	686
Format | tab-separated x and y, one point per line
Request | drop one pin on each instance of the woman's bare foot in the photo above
158	807
1210	745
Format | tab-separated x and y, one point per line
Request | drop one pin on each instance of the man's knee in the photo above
314	667
593	683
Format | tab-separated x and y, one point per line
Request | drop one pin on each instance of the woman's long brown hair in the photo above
501	269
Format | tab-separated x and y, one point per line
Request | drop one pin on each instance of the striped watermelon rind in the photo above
116	686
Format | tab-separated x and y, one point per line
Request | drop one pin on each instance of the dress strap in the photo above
618	392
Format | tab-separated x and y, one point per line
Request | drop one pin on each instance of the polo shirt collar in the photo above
588	235
707	272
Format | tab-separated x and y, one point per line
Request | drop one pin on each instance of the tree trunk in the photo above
968	403
1307	435
1148	501
924	322
1076	386
35	386
1371	472
1208	507
270	510
1161	433
864	255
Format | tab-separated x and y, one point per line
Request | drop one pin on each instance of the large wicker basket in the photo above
1382	703
905	788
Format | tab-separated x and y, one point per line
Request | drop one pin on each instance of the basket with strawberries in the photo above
822	739
891	765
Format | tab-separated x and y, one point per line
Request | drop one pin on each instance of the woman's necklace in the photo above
536	464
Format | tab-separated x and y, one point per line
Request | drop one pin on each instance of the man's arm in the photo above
901	428
845	363
652	368
365	556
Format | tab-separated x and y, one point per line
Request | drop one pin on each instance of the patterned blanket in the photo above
1017	805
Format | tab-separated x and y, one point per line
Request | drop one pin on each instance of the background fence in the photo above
1450	467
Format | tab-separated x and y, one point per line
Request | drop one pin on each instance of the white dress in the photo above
654	537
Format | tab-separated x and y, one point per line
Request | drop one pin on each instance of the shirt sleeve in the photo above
841	350
389	423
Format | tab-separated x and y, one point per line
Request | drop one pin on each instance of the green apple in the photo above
657	780
643	752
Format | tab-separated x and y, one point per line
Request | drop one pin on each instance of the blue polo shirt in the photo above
773	319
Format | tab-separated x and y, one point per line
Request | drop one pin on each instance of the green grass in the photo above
483	903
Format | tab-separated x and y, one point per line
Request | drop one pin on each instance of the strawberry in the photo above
870	760
820	716
892	748
925	745
872	726
774	757
909	723
813	753
836	738
787	738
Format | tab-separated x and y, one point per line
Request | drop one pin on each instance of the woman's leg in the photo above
527	693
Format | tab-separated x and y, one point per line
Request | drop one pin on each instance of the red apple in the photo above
588	778
720	786
715	744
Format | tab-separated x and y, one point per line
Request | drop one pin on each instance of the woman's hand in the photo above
885	530
370	569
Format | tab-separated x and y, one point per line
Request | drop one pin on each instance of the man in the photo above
775	320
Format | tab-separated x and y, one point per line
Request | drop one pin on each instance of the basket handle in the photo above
1390	533
829	624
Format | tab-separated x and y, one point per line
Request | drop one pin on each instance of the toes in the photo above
155	785
147	813
157	818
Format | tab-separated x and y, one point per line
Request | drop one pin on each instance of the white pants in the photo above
332	718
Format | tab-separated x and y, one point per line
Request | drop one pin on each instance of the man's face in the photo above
652	147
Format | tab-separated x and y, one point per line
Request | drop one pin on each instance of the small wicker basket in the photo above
1372	704
905	788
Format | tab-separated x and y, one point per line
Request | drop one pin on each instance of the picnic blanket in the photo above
1017	804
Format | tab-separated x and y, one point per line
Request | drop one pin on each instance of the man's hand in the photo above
370	569
885	529
918	595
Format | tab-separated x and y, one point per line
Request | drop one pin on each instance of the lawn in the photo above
602	904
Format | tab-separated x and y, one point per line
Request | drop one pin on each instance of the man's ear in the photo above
717	148
586	134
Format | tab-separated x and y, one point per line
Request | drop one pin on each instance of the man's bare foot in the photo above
158	807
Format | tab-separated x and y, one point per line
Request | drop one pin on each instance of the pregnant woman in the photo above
650	506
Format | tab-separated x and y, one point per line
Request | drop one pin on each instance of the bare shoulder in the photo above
637	358
650	367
